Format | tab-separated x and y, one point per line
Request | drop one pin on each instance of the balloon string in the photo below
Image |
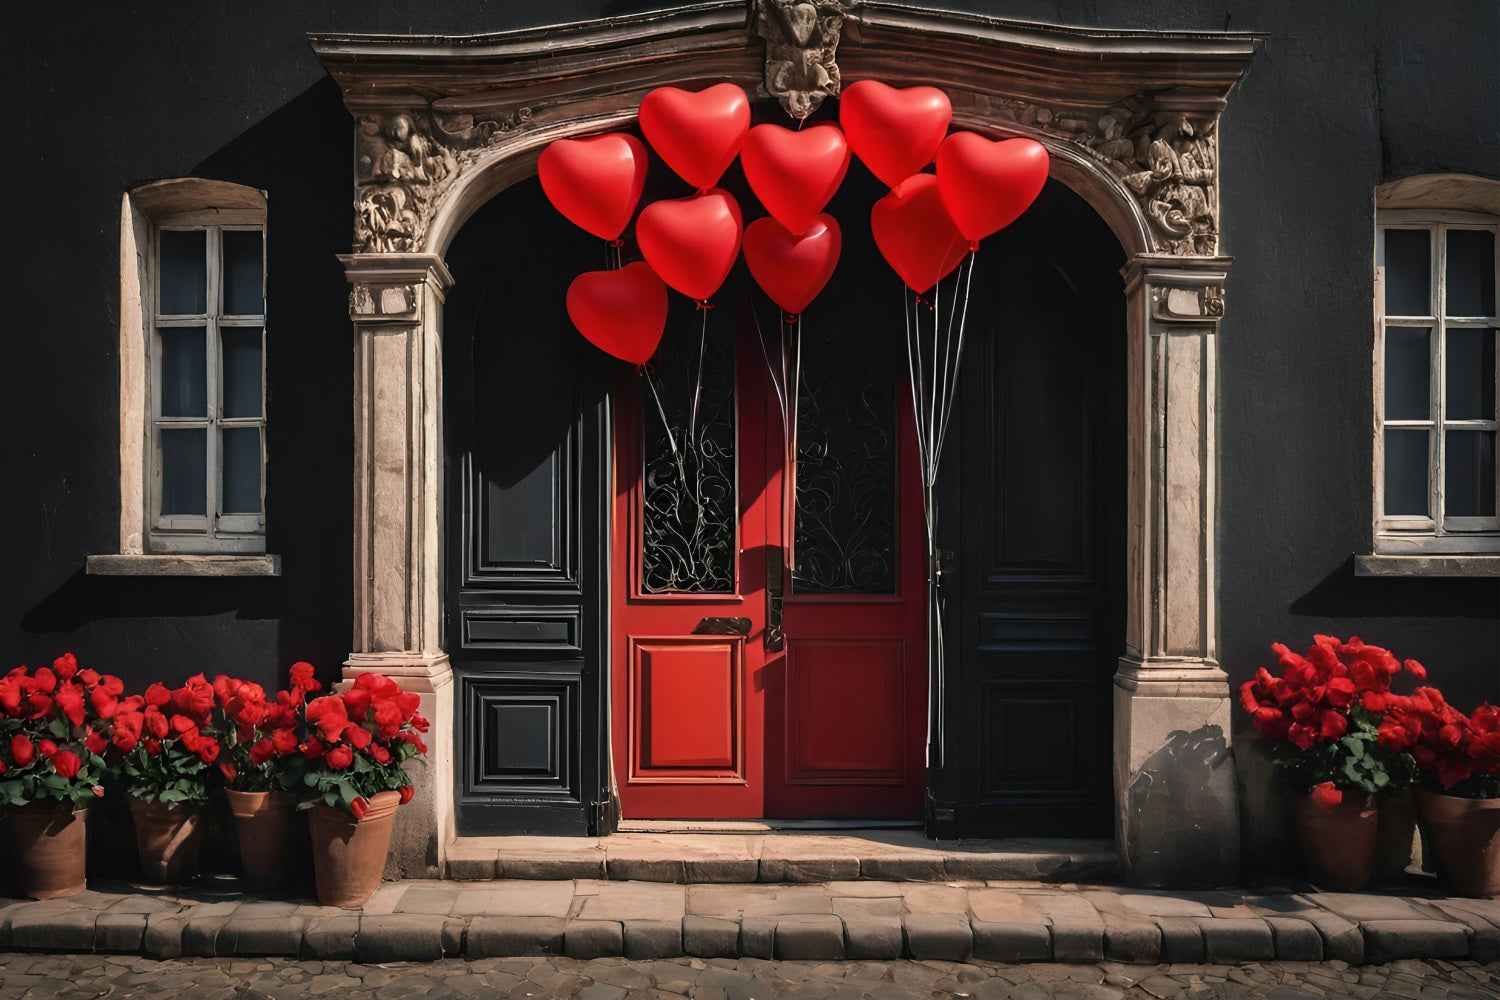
698	390
703	305
666	425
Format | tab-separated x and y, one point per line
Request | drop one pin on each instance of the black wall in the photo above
1342	96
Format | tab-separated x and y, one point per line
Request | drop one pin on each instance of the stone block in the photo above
454	930
898	868
1181	940
646	870
943	936
710	937
512	937
471	869
1388	940
200	937
163	937
120	932
1129	939
588	939
53	928
1357	907
1011	942
1295	940
758	937
808	869
242	935
652	938
812	937
721	870
632	901
1077	940
399	937
330	938
1342	940
1228	941
872	937
1484	936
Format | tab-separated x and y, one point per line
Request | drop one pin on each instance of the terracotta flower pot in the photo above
50	844
263	823
349	854
168	836
1465	838
1338	844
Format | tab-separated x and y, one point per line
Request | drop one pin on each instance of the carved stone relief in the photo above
1199	302
1168	161
802	38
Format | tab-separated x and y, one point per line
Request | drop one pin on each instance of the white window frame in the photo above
212	544
1435	533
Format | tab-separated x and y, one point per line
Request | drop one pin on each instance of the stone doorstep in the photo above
777	856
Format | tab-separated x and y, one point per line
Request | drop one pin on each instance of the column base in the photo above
424	826
1176	805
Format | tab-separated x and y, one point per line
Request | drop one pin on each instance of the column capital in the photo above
1171	677
388	287
1188	290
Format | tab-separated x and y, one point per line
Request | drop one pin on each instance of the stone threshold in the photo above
742	855
417	921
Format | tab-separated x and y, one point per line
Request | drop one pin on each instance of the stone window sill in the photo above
183	565
1427	566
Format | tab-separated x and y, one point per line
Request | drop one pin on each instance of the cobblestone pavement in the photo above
73	977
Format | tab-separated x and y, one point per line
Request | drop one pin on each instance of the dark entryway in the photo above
1032	532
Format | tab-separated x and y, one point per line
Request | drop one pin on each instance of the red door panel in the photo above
686	709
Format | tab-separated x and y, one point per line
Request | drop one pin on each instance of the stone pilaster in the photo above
1177	816
396	303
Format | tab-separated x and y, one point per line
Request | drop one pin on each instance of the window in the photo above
192	381
1437	340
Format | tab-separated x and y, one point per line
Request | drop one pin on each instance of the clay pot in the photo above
50	848
349	854
1465	838
1338	844
168	836
263	823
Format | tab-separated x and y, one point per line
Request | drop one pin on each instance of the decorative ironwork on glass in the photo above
688	493
846	464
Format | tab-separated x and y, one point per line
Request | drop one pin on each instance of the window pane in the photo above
1471	272
1406	472
184	273
242	274
241	370
1471	374
241	470
1469	481
184	372
184	466
1407	382
1408	272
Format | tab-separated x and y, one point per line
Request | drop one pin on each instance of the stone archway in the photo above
1131	120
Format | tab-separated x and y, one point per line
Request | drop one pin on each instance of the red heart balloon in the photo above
894	132
987	185
792	269
915	234
794	174
622	312
595	182
691	242
697	134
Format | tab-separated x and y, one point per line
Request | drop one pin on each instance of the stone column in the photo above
1177	819
396	303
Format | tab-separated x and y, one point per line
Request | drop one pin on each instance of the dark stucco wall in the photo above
1342	96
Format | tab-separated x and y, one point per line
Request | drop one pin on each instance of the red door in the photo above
715	714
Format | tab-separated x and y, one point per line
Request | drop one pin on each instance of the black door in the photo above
1032	527
526	429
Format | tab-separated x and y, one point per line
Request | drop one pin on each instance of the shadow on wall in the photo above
1343	595
1184	794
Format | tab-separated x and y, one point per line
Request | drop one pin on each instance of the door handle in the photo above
775	566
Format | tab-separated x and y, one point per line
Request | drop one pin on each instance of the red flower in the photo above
340	757
158	695
1327	796
227	770
66	763
328	715
407	791
70	703
105	703
66	666
1416	670
285	741
46	747
359	807
95	741
302	678
380	753
46	680
21	750
157	724
127	730
358	736
262	751
312	749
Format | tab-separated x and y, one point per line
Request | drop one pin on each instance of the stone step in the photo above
747	855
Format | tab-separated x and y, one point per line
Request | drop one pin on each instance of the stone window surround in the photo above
142	209
1130	121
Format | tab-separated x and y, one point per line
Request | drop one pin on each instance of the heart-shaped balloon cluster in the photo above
924	227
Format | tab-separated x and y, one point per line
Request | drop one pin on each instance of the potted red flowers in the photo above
350	766
1459	794
1325	711
51	768
259	734
167	746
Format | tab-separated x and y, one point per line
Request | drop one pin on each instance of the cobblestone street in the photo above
74	977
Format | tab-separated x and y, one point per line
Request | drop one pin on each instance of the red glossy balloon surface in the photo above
915	234
595	182
792	269
795	173
986	185
894	132
698	133
691	242
622	312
